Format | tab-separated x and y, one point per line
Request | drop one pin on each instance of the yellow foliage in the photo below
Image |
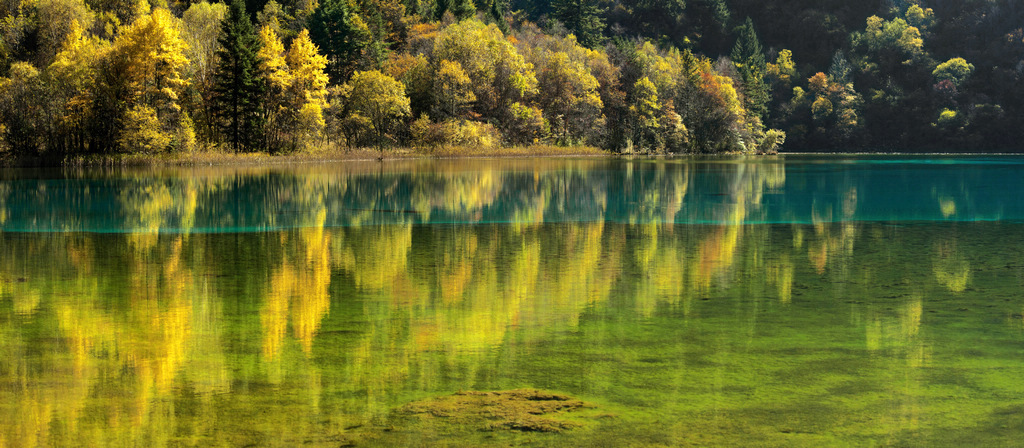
500	74
308	79
142	131
152	55
273	66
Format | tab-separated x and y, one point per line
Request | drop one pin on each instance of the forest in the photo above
629	76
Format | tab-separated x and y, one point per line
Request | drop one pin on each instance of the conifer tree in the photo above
582	18
461	9
341	34
750	62
238	85
497	13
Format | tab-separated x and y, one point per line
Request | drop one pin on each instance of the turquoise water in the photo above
796	301
790	190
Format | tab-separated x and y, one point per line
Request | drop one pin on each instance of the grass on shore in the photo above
218	157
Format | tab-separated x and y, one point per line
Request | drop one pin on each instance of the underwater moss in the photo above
527	410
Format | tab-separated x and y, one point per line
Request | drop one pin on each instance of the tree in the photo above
341	34
273	70
582	18
750	63
955	70
453	92
72	81
644	111
19	109
239	88
461	9
202	23
141	74
893	39
380	99
307	92
569	97
500	75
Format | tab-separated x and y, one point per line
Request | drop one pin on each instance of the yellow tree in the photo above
569	96
452	90
307	93
144	75
19	108
273	69
72	78
500	75
380	99
644	111
201	27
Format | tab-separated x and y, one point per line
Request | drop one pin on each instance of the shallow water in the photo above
797	301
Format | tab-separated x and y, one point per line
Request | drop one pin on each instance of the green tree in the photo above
955	70
380	100
71	80
569	97
461	9
19	109
749	60
893	38
582	18
237	84
341	34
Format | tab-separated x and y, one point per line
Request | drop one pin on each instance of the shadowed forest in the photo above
630	76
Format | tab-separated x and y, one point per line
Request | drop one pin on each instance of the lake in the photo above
778	301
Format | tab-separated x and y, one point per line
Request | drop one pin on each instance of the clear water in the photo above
797	301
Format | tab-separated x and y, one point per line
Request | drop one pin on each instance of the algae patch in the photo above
527	410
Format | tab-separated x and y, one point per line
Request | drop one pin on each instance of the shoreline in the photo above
209	158
218	158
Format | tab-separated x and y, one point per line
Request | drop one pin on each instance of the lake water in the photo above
789	301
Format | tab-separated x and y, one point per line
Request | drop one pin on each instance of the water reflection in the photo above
313	334
524	192
109	341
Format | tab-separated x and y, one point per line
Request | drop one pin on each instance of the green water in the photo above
797	301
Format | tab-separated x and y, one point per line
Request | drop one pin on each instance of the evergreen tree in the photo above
238	85
341	34
749	60
582	18
497	12
461	9
840	70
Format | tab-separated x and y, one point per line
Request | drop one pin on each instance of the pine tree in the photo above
461	9
497	12
750	62
238	85
582	18
341	35
840	70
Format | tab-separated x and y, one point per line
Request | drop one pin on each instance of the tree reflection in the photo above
385	286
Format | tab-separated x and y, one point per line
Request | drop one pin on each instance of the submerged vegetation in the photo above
150	320
516	410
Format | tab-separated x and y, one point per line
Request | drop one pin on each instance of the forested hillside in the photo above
637	76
